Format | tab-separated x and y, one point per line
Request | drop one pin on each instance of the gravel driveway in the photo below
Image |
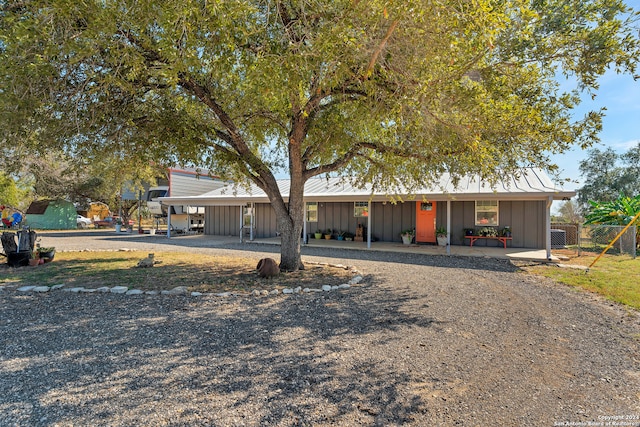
425	341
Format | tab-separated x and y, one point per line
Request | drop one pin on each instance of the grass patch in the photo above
202	273
614	277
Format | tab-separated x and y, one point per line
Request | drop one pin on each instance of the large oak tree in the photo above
391	93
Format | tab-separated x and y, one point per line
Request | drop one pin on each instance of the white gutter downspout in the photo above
369	224
548	227
448	227
169	222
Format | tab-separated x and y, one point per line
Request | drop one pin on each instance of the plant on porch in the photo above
408	235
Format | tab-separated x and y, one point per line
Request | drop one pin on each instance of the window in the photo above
486	212
426	206
360	209
312	211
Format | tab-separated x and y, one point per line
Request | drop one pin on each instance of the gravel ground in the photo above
425	341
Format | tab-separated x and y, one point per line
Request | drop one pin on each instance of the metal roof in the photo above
530	184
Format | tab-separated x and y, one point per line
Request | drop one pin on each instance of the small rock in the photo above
26	288
178	290
76	290
264	292
224	294
344	286
316	290
104	289
134	292
287	291
297	290
274	292
306	290
355	280
196	294
152	293
326	288
87	291
55	287
41	289
334	287
119	290
256	292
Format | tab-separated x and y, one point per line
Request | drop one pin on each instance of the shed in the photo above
51	215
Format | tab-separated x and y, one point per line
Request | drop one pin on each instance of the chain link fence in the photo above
593	239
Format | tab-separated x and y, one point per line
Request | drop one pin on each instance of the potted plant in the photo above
506	231
488	232
318	234
327	234
407	236
34	260
46	254
340	235
348	236
118	224
441	236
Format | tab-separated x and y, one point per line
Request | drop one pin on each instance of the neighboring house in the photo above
521	204
182	183
51	215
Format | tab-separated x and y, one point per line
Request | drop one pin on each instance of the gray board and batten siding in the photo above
526	219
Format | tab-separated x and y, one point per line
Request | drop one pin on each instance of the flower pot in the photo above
442	240
47	256
34	261
327	236
118	228
318	236
340	237
407	239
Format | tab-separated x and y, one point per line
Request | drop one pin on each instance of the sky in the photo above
620	95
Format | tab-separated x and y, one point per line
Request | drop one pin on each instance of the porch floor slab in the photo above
522	254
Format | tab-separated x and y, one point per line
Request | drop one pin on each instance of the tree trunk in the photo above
290	259
291	227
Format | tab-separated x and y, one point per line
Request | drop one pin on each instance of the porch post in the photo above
448	227
548	227
251	214
304	223
241	223
369	224
169	222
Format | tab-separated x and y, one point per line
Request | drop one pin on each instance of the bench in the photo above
500	238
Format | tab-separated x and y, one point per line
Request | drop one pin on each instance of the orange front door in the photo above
426	222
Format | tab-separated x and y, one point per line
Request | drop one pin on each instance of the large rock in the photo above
268	267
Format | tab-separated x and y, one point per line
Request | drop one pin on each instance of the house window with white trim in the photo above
487	212
312	211
360	209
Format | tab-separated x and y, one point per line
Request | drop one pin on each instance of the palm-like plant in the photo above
621	211
618	212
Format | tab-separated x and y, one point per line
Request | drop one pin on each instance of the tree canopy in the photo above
608	174
392	93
